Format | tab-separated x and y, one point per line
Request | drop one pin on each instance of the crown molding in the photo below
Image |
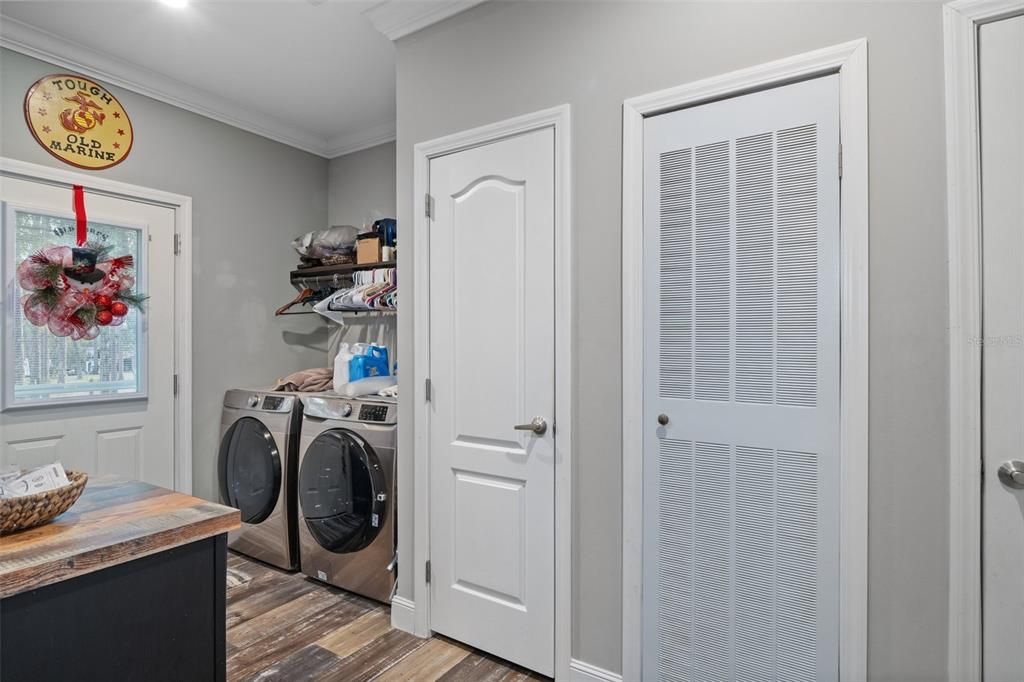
339	145
398	18
28	40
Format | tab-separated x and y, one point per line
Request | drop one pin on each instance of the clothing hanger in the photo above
302	297
370	290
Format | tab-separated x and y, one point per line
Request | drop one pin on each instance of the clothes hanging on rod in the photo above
371	290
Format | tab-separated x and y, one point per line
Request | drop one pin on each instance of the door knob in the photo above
1011	474
538	426
663	419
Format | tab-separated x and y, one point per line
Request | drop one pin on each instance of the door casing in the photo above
414	615
961	21
849	60
182	207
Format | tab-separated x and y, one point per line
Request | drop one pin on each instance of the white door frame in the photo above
559	119
182	206
962	20
849	60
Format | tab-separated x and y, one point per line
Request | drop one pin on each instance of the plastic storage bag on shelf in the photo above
340	239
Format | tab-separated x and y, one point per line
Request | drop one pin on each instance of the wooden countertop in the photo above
114	521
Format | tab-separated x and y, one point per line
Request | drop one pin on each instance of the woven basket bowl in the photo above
19	513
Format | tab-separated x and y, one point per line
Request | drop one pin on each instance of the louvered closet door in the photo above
741	303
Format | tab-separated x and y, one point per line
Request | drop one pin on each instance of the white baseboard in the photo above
403	617
585	672
403	614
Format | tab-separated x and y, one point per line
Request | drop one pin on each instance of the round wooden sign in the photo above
78	121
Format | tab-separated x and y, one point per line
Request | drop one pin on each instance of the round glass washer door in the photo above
342	491
249	467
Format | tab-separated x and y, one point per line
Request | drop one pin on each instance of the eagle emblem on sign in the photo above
85	117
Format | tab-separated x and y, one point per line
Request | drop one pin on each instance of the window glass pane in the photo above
48	368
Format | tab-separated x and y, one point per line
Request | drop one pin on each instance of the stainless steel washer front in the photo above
256	467
346	494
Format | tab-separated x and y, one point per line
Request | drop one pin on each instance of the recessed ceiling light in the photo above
176	4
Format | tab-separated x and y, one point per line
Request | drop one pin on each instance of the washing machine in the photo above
346	493
256	466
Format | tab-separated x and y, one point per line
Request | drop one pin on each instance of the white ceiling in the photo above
314	74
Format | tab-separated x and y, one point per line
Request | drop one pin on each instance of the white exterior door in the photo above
741	388
492	336
103	406
1001	61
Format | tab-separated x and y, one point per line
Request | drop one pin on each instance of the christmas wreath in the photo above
74	291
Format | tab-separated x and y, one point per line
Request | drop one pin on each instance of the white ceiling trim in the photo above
339	145
397	19
34	42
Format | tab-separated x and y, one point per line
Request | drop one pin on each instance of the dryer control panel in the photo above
373	413
259	401
321	406
277	403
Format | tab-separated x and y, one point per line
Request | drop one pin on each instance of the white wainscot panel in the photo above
119	452
25	454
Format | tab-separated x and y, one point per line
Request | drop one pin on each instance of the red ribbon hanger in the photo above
81	222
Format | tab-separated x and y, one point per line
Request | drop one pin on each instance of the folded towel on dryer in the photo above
307	381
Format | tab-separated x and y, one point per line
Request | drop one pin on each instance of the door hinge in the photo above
427	567
840	160
177	244
428	205
175	385
428	388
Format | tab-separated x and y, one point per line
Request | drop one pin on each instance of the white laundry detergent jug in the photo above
341	361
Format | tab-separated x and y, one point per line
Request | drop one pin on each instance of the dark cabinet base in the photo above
161	617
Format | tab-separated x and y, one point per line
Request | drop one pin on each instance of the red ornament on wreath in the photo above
75	290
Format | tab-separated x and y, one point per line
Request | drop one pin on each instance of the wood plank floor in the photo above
284	626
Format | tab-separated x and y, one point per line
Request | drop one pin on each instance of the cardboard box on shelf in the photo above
368	250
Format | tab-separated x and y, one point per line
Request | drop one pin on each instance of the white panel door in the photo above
131	437
1001	62
741	388
492	340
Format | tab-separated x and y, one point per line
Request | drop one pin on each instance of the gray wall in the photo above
361	186
502	59
360	190
251	196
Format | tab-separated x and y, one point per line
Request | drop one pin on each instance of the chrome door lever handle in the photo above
538	426
1011	474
